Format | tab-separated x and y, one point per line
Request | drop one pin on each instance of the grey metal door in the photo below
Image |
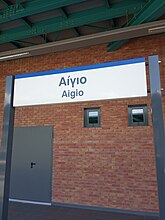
31	164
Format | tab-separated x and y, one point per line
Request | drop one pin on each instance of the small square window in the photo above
137	115
92	117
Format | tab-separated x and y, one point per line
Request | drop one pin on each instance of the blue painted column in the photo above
6	147
158	127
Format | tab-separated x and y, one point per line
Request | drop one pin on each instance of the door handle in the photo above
32	164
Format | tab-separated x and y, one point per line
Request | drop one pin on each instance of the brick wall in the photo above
111	166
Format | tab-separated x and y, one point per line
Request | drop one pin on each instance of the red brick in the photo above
112	166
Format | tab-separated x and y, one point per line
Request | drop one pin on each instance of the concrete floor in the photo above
18	211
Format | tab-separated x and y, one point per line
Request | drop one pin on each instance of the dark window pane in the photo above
138	118
93	120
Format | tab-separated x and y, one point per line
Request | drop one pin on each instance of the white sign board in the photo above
114	80
93	114
137	111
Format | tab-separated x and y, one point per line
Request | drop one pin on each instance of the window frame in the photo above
145	115
86	117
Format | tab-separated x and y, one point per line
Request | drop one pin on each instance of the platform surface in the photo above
20	211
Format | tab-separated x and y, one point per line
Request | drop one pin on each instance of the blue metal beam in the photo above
6	2
75	20
150	12
66	15
107	3
31	7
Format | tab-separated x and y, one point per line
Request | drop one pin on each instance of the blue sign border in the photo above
81	68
